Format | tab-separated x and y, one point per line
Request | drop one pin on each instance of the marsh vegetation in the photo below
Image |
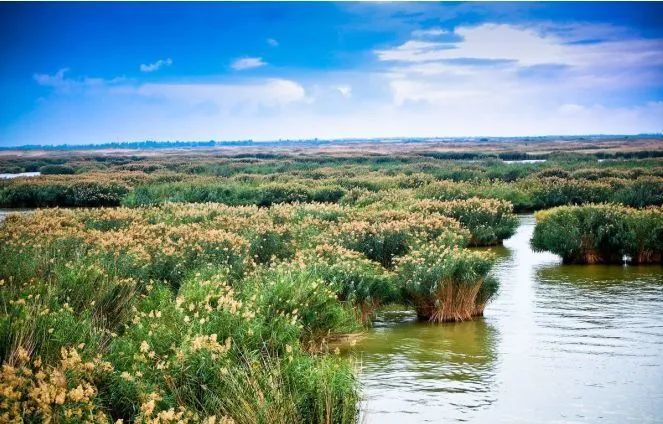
215	289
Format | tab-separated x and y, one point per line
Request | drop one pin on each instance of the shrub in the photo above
206	350
67	391
641	192
328	194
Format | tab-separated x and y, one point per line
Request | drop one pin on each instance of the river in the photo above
560	344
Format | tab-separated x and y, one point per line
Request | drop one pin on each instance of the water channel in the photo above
560	344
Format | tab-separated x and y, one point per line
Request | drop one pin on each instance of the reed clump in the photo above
447	283
489	221
601	234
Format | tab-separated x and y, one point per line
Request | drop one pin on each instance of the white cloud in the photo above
247	96
243	95
344	90
529	46
247	63
496	63
151	67
273	42
484	42
430	32
412	51
178	110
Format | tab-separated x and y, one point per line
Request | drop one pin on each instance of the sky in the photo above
74	73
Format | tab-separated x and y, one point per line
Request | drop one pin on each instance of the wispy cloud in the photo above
244	63
273	42
429	32
185	109
243	96
151	67
61	83
55	80
248	94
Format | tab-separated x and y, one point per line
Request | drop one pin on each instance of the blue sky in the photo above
88	73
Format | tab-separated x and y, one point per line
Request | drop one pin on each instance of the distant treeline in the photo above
187	144
150	144
126	145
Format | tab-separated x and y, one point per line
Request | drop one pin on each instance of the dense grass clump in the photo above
384	237
41	192
363	283
647	243
57	170
233	193
601	234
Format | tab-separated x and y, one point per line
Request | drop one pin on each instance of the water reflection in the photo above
410	367
560	343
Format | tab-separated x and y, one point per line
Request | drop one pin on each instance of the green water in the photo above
560	344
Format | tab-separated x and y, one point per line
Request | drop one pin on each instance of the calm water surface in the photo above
21	174
5	212
560	344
